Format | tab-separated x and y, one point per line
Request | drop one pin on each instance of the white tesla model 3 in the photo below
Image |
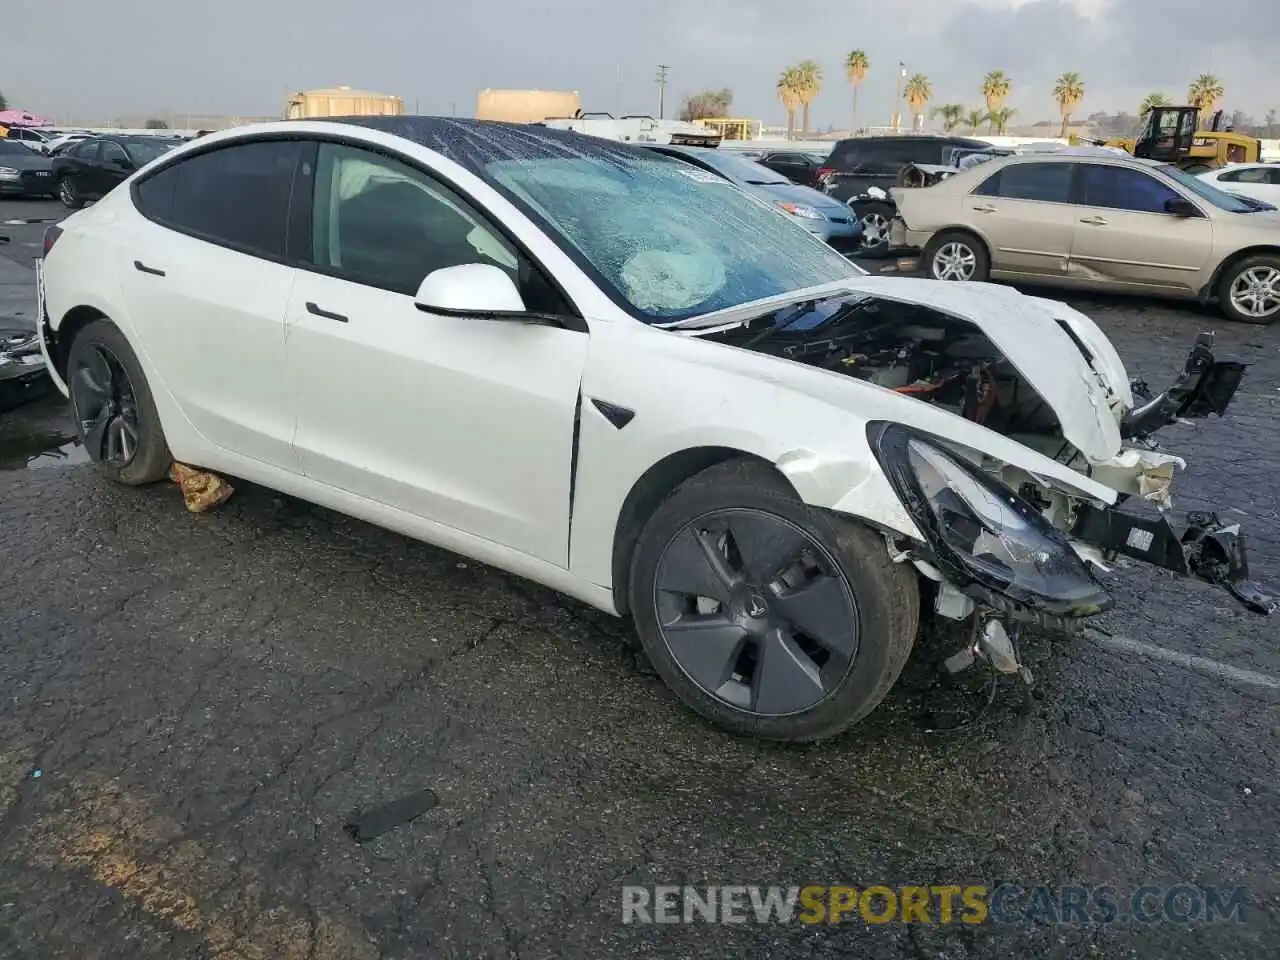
607	372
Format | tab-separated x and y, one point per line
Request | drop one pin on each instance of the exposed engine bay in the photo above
913	350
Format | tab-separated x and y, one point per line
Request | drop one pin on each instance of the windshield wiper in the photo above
766	183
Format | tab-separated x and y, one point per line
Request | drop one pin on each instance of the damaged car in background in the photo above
596	368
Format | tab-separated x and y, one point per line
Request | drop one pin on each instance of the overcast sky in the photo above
136	57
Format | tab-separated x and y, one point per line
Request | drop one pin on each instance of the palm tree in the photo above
811	82
789	93
951	114
1068	91
856	66
1205	91
995	87
918	92
1152	100
999	119
974	119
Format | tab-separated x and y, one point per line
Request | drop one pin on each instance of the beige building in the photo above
526	106
341	102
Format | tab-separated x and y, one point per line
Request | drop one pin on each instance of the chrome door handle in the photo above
1094	221
984	209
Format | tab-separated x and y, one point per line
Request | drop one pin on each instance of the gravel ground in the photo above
207	698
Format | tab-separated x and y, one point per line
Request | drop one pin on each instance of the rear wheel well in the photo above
648	493
76	319
1210	290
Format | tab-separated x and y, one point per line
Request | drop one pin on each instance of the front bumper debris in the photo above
22	371
1207	385
1207	548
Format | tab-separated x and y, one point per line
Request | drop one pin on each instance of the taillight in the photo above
51	236
825	173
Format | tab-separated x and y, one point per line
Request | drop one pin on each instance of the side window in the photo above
1119	188
1044	182
237	196
113	152
381	223
920	151
1248	175
87	150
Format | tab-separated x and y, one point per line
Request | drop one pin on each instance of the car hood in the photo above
1063	353
798	193
36	161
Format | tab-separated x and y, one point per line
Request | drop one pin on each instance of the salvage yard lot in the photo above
207	698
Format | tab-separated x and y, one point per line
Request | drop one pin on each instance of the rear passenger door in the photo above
1023	211
205	284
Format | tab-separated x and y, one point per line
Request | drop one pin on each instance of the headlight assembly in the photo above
800	210
983	533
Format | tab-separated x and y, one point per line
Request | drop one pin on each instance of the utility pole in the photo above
662	90
896	121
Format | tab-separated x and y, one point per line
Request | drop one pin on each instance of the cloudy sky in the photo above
76	58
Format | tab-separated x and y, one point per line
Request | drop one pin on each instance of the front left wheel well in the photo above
654	486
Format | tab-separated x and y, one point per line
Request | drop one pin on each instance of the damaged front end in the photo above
1006	544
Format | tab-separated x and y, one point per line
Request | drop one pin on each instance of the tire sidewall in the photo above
982	262
69	194
854	550
862	209
152	459
1224	290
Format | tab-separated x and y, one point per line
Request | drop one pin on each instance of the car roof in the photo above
473	144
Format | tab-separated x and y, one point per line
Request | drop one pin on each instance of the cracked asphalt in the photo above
207	698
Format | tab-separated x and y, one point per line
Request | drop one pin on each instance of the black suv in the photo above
861	162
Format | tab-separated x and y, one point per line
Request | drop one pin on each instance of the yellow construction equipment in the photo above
733	128
1173	135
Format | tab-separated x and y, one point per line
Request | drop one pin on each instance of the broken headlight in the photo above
981	532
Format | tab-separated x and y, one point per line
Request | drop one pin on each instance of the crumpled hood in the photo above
1047	342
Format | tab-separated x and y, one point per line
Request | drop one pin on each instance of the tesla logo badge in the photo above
756	607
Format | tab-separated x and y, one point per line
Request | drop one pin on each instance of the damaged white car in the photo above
602	370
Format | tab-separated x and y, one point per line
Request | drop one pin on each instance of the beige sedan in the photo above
1097	222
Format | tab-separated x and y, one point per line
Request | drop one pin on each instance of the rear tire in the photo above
875	217
776	657
956	255
69	193
1249	291
115	413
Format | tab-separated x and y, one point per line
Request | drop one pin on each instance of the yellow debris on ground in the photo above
201	490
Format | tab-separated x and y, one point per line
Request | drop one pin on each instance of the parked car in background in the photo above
37	140
60	143
812	209
624	379
1261	181
91	168
860	171
1108	223
796	165
24	172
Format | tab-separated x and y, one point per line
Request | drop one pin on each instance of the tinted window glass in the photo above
87	150
1249	175
112	152
1119	188
384	224
918	151
1045	182
154	195
237	195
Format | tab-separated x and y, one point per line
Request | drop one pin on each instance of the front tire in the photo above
766	616
114	410
1249	291
69	193
956	255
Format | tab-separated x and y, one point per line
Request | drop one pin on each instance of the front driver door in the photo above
1125	240
459	420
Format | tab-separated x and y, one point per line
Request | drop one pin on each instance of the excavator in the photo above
1173	135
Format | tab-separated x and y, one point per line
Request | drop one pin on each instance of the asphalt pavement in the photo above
193	706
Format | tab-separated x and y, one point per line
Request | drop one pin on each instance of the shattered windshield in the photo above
669	241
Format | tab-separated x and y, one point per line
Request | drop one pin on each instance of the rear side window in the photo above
1044	182
237	196
919	151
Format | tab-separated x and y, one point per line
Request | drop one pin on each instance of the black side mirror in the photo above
1181	207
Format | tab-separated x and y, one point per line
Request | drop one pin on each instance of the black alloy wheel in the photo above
106	406
756	612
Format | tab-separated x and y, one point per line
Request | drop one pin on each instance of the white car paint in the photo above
1228	178
460	431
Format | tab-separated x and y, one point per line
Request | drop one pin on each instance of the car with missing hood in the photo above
592	367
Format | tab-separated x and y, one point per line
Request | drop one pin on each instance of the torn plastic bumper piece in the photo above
1208	549
1207	385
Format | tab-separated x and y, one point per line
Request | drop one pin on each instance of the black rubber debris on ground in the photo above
371	824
